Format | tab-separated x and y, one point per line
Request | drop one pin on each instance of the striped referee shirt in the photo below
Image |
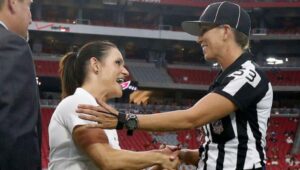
237	141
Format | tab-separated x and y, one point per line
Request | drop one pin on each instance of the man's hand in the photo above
105	115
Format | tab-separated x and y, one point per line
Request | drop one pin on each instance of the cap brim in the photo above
194	27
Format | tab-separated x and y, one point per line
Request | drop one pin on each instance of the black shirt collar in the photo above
234	66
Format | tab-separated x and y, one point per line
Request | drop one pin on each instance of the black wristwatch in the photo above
121	120
131	123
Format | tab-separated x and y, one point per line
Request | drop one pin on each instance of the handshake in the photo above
107	117
175	155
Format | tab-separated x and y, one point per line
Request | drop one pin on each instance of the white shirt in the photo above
2	23
64	155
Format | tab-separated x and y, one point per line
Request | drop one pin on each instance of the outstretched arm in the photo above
94	142
210	108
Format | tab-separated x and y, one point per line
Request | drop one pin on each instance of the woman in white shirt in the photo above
93	74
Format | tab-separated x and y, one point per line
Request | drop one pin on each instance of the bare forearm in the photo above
136	160
210	108
94	142
167	121
110	159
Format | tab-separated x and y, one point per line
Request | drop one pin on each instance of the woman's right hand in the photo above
170	160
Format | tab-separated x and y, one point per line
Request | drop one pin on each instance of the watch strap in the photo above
130	129
129	132
121	120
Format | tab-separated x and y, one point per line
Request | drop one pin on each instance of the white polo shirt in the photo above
64	155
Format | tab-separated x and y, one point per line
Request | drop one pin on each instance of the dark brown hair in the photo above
73	66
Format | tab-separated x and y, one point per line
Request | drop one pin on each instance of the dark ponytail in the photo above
73	66
67	74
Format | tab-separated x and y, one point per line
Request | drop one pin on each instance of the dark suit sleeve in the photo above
19	101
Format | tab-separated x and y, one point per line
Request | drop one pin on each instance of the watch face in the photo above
131	123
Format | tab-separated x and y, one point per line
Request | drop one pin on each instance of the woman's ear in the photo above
227	31
95	65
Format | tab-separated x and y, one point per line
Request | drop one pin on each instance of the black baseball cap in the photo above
220	13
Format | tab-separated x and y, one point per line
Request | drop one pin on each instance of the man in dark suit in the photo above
19	100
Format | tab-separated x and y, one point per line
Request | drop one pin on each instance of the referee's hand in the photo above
173	152
105	115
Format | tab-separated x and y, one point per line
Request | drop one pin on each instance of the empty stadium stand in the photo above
193	76
277	146
46	116
284	78
46	68
147	72
140	141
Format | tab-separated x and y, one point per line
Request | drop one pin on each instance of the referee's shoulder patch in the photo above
247	74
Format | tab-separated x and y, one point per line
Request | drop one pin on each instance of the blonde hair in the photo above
241	39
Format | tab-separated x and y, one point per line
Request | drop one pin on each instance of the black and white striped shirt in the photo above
238	140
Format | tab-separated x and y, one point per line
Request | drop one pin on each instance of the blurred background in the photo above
166	65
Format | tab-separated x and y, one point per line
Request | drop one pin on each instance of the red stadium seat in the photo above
47	68
46	116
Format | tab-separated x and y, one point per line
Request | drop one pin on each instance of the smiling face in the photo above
113	73
211	41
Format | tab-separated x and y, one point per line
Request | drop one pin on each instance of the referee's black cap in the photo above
220	13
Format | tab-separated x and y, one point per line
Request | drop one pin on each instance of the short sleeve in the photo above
242	87
68	115
73	120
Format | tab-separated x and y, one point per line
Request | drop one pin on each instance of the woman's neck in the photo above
96	92
230	56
